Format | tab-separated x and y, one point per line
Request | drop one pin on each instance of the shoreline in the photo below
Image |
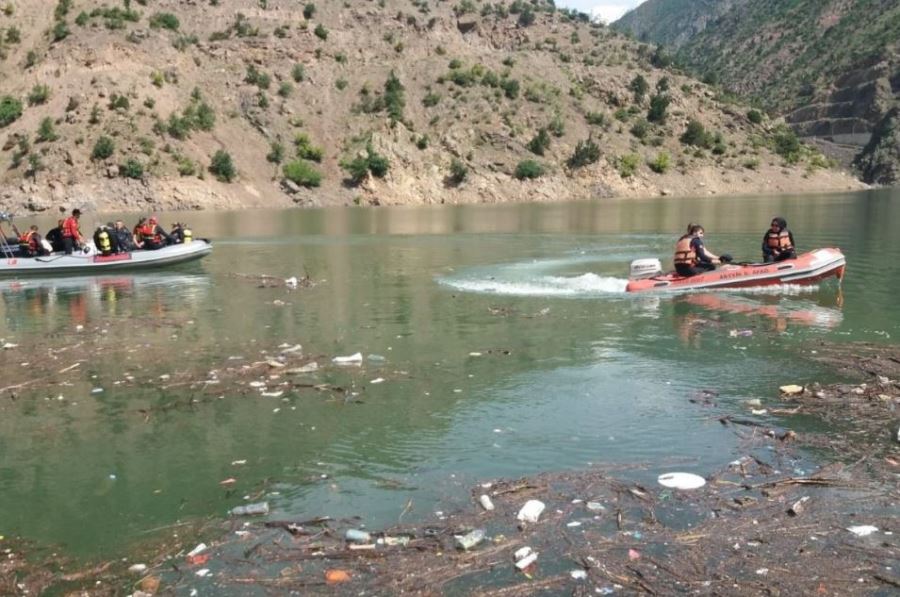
757	525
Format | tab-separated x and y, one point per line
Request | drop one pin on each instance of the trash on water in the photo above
274	364
8	345
791	389
474	354
402	540
595	506
531	511
573	524
578	574
863	530
681	480
469	540
525	557
307	368
634	554
137	568
277	394
377	380
376	358
259	508
257	384
228	481
486	503
97	391
357	536
740	333
198	560
291	282
353	359
758	411
202	572
798	506
753	402
149	585
199	549
336	576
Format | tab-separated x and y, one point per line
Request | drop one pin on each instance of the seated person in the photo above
778	243
153	236
181	233
54	237
691	256
136	236
30	243
123	239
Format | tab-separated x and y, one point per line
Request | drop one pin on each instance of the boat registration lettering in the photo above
743	272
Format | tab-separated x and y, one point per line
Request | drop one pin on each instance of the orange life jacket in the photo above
70	228
779	240
148	232
28	242
684	251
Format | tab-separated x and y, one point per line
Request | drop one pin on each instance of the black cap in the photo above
76	212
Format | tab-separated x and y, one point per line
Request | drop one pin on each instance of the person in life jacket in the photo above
691	256
153	236
136	235
71	234
103	240
778	242
30	243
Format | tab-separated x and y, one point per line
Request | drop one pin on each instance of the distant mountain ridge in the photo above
832	67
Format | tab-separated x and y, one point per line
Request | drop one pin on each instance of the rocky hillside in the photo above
832	66
147	104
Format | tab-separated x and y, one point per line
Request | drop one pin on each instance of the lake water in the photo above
571	370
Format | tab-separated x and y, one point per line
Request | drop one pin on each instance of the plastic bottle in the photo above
486	502
470	540
357	536
260	508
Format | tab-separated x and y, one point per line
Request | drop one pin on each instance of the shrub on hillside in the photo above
539	143
164	20
528	169
39	94
46	132
298	73
628	164
309	10
321	32
755	116
60	31
695	134
660	164
639	87
222	167
131	169
458	172
586	152
787	145
10	110
302	173
658	105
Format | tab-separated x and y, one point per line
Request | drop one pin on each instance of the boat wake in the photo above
541	278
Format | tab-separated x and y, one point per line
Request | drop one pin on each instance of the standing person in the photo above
71	234
691	256
54	236
778	242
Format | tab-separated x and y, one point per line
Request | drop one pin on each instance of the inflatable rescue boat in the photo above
646	274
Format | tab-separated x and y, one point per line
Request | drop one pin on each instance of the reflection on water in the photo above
489	367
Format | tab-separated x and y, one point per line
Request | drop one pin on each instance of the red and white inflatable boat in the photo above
808	268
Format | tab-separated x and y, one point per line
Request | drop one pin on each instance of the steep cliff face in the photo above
879	162
673	23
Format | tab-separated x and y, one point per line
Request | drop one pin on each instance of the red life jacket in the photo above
684	251
148	232
779	240
70	228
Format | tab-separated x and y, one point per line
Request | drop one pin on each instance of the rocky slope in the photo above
150	104
832	66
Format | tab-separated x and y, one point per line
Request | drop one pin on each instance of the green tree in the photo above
321	32
276	153
586	152
639	87
660	164
695	134
458	172
309	10
539	143
222	167
659	103
164	20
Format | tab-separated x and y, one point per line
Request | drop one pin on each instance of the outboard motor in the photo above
644	268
